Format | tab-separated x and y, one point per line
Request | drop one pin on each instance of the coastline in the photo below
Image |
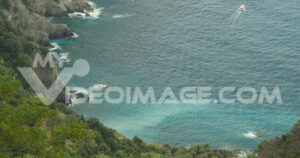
84	15
34	18
62	31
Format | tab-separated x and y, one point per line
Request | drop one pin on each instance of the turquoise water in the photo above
192	43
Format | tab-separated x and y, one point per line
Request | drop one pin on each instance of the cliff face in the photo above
30	17
59	8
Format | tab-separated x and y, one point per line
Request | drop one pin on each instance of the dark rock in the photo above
39	27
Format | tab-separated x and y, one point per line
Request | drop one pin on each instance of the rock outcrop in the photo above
59	8
32	17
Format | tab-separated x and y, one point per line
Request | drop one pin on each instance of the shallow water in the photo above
192	43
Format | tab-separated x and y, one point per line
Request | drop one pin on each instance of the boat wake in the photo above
120	16
237	13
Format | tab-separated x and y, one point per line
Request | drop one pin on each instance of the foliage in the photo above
287	145
30	129
8	88
26	3
10	44
15	46
35	130
4	4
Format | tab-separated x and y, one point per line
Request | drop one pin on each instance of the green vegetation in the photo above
16	47
26	3
30	129
4	4
287	146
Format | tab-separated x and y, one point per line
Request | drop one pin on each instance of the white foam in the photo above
75	35
74	99
55	47
250	135
76	14
64	58
119	16
94	14
66	54
242	154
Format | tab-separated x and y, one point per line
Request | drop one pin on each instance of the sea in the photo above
176	44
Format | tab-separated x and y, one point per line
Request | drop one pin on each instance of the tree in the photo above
8	88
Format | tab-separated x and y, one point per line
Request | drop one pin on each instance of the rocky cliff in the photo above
59	8
30	16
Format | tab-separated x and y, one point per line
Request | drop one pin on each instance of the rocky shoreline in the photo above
32	17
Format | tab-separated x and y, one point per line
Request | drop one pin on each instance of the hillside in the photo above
286	146
30	16
30	129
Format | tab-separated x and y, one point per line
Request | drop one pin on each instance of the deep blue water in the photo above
192	43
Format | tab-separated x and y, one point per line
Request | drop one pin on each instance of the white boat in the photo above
242	8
